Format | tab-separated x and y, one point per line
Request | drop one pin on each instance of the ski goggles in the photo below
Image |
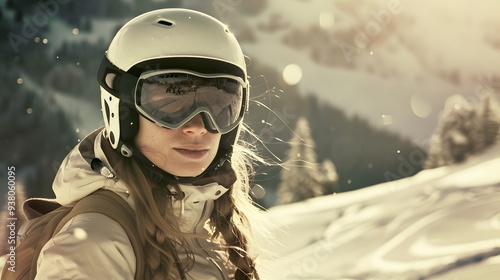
171	98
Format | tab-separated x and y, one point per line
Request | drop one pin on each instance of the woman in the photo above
174	91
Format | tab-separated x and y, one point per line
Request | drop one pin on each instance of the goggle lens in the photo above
172	98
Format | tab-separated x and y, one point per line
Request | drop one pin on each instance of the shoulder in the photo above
90	244
92	228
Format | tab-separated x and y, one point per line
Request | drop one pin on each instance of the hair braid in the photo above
226	224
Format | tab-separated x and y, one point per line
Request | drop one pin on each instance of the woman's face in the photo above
184	152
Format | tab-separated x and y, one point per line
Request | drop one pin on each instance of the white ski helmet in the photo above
171	40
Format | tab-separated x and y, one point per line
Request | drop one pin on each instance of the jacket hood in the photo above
76	179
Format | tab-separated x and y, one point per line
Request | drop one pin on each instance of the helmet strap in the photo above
129	122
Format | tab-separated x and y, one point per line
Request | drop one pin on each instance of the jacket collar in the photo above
76	179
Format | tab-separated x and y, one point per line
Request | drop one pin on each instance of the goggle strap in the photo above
195	64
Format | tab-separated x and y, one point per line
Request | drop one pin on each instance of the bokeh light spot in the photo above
326	20
420	107
387	119
292	74
80	234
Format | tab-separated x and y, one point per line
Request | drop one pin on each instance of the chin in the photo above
188	172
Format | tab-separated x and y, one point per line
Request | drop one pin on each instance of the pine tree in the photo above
487	125
450	143
463	130
300	178
330	177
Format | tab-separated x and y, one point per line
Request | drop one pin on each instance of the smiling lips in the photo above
192	153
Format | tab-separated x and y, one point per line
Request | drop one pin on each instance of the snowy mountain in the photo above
391	62
442	223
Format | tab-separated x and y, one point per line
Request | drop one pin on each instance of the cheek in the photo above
216	145
147	135
216	141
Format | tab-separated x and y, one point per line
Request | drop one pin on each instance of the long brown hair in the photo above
159	227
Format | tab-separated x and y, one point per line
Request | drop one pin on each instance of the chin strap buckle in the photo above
99	167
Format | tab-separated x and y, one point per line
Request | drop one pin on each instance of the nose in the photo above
195	126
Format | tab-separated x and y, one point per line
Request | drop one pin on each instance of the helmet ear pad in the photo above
129	122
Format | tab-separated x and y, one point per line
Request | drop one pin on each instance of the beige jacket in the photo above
92	246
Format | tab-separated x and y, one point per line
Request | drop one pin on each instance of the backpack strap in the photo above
113	206
27	251
37	207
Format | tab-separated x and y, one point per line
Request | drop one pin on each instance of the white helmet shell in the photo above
174	33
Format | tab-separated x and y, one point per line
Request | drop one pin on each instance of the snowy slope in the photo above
424	52
442	223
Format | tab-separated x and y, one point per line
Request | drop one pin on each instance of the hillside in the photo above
364	155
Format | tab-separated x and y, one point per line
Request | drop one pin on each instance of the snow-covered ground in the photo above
441	224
